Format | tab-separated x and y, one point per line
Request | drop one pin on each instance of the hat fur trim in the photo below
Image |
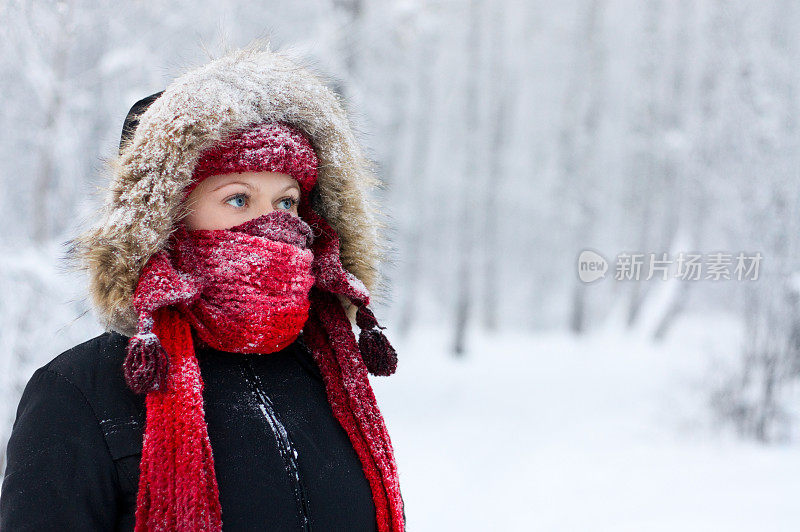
197	110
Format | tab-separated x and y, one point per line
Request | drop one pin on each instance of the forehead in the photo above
257	180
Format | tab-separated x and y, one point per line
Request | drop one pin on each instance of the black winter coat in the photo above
74	452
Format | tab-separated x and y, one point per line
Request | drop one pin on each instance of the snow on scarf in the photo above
218	285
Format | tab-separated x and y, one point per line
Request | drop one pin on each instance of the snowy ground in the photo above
550	432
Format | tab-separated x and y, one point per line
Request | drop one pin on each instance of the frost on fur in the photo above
197	110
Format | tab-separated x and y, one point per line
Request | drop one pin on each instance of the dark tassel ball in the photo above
146	364
377	353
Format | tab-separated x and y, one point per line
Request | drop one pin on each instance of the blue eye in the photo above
239	201
291	202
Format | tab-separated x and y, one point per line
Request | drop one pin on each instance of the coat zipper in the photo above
285	445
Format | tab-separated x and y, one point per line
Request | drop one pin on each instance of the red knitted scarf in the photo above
251	288
245	289
253	280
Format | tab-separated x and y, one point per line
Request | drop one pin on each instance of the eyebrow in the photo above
248	185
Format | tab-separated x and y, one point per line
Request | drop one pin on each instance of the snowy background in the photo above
511	136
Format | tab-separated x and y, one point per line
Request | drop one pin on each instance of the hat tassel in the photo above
146	362
376	351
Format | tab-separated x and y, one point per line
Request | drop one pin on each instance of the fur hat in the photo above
163	138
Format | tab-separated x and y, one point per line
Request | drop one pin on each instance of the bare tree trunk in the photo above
418	176
467	227
45	178
353	11
503	90
646	172
678	209
577	141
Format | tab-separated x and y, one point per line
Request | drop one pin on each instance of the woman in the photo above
235	250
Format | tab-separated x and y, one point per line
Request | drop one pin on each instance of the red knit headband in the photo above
266	147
